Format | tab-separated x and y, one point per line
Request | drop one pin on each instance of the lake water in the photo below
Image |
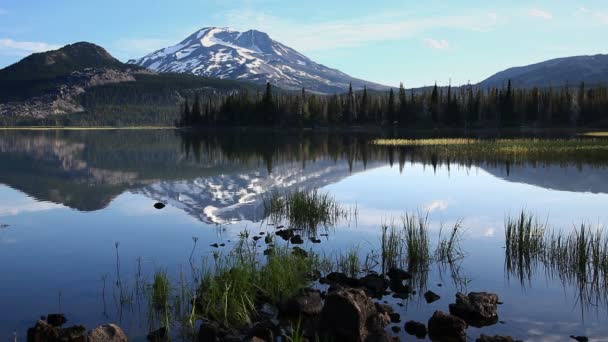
69	196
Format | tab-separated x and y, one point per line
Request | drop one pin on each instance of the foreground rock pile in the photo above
346	311
50	329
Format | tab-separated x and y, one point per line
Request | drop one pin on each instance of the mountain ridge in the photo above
249	56
556	72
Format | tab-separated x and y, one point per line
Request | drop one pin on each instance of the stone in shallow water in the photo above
107	333
431	297
478	309
447	328
308	302
416	329
56	320
345	314
297	240
375	284
496	338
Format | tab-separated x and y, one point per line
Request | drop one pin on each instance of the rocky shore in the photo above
347	309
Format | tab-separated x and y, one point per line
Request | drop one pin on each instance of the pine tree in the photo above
364	109
403	114
196	111
391	107
434	106
186	119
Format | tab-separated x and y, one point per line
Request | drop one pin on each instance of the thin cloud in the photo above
440	44
23	48
329	35
440	205
538	13
602	16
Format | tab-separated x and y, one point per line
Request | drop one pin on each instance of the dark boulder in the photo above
478	309
345	314
415	329
209	331
431	296
307	303
375	284
297	251
43	331
285	234
56	320
398	274
159	335
107	333
296	240
496	338
263	331
447	328
339	278
384	308
395	317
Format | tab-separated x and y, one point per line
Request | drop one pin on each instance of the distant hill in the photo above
593	70
61	62
84	77
249	56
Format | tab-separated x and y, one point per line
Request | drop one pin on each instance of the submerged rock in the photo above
580	338
398	274
496	338
159	205
285	234
107	333
447	328
296	240
431	297
160	335
415	329
477	309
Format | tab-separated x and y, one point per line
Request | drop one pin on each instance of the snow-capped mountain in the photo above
248	56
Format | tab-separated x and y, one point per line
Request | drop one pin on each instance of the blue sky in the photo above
417	42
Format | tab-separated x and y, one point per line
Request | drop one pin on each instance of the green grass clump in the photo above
348	262
229	292
304	210
448	248
578	257
408	245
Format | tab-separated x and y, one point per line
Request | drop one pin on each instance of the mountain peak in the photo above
50	64
251	55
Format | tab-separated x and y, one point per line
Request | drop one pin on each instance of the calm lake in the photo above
70	201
